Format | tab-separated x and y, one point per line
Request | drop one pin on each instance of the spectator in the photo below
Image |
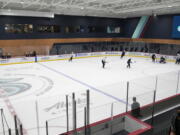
175	123
135	108
146	49
8	55
34	53
26	54
142	49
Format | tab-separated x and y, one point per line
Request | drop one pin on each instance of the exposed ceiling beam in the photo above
6	3
30	3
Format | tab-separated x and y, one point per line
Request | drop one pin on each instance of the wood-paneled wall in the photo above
42	46
161	41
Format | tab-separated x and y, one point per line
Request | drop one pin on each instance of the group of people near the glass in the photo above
5	55
31	54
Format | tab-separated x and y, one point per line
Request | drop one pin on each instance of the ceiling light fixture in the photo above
26	13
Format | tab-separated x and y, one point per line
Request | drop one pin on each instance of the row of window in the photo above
18	28
29	28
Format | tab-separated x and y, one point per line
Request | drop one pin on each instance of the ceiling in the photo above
101	8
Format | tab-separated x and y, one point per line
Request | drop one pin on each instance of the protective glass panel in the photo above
53	109
166	85
26	113
140	106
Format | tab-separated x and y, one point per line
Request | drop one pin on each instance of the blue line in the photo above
85	84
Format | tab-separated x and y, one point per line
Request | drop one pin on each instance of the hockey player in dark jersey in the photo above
162	60
178	58
103	62
129	63
123	54
71	58
153	58
177	61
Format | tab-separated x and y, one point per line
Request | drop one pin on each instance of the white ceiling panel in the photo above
101	8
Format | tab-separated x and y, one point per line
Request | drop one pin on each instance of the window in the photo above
66	29
91	29
74	29
82	29
48	28
77	29
71	29
96	29
112	29
18	28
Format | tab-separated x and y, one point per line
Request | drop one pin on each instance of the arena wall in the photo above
42	46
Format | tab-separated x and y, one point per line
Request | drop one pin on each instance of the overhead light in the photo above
27	13
82	8
169	6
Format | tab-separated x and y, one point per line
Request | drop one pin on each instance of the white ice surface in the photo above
51	81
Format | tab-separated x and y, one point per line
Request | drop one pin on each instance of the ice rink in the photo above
35	92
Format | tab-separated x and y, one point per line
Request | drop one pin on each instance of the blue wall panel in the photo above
127	26
176	27
160	27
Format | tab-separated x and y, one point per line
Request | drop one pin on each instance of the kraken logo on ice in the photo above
12	86
27	84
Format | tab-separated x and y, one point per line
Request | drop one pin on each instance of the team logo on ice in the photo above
13	86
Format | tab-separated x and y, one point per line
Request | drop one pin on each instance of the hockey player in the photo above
178	58
177	61
123	54
103	62
153	58
129	63
71	58
162	60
